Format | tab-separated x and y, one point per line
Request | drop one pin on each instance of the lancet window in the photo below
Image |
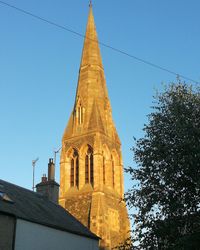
74	174
113	172
104	170
80	115
89	166
79	112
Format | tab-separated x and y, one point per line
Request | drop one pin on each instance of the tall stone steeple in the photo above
91	96
91	170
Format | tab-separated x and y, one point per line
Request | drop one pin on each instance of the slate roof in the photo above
33	207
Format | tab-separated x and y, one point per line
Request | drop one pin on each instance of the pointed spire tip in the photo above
90	3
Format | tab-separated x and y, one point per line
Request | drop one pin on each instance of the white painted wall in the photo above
32	236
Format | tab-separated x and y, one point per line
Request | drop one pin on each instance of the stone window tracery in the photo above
89	166
74	171
80	115
79	112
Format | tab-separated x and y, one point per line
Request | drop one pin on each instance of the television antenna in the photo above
55	153
33	165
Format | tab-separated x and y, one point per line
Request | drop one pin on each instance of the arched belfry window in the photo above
89	166
113	171
80	114
74	171
79	111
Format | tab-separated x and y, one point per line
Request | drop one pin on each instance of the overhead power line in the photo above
101	43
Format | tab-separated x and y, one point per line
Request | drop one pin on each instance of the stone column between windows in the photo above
81	171
121	181
67	167
98	171
117	169
108	173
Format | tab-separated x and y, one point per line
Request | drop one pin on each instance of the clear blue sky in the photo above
39	70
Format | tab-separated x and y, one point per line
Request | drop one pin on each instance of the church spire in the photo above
92	109
91	93
91	168
91	52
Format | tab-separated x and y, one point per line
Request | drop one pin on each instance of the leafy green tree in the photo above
166	191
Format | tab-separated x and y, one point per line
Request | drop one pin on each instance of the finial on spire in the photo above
90	3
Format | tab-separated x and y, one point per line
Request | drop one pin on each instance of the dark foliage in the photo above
166	190
127	245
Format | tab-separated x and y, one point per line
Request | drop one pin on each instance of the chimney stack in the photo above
51	170
48	187
44	178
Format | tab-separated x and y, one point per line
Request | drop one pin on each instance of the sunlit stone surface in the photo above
91	168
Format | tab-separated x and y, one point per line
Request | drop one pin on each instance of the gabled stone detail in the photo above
95	121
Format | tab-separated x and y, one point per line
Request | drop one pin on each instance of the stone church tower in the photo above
91	169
